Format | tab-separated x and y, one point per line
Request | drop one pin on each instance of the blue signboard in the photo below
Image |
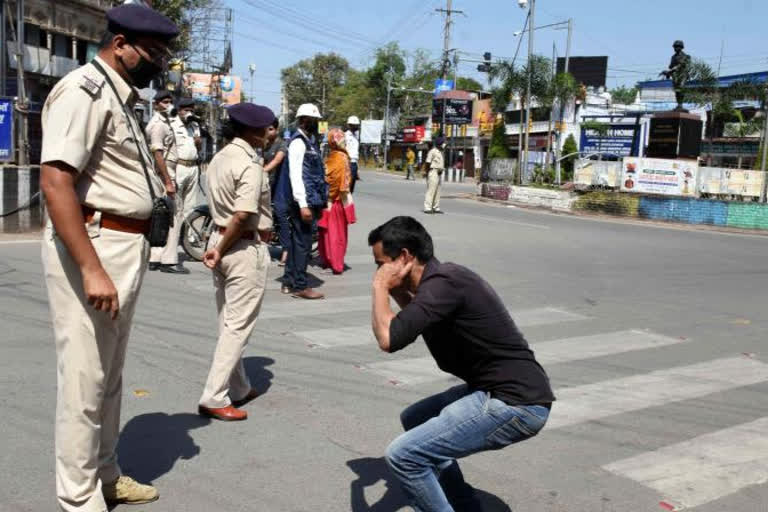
6	129
617	141
443	85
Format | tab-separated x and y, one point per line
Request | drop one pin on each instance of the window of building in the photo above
82	51
34	36
62	46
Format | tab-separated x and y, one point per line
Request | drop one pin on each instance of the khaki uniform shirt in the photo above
435	159
185	138
161	135
84	126
237	183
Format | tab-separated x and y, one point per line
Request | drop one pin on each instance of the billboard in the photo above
414	134
199	84
456	111
6	130
619	140
660	176
371	131
590	71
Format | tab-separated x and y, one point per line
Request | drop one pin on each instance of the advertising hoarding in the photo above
659	176
6	130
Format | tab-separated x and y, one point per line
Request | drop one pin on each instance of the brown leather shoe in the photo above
227	413
252	395
309	294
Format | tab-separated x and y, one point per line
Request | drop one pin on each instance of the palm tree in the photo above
564	90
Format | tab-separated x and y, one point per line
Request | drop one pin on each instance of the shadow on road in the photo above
150	444
256	368
371	470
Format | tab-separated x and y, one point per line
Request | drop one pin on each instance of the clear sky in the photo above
637	35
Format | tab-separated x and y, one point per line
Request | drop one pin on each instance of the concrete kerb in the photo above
617	219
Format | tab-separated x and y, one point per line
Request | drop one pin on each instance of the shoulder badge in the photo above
90	85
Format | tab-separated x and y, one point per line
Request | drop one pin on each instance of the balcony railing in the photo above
39	60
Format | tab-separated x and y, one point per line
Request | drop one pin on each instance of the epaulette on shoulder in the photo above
91	83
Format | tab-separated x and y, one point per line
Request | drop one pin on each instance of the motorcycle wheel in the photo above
195	234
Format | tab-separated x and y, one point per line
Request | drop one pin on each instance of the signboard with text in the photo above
413	133
659	176
6	130
443	85
456	111
619	140
199	84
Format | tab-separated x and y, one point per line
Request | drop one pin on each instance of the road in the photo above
654	339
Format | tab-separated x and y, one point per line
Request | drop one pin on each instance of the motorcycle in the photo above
198	227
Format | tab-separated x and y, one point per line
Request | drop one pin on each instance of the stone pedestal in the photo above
675	135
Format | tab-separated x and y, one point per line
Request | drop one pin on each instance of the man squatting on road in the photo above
506	397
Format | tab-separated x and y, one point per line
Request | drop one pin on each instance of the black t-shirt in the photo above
471	335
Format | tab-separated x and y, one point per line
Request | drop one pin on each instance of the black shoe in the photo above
154	266
429	212
439	212
173	269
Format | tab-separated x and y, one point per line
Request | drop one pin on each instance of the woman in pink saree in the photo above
333	226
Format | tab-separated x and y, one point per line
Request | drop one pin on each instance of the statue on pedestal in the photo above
679	73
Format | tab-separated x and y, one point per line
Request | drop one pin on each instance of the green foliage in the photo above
624	95
569	147
468	84
743	127
317	80
514	82
498	146
596	126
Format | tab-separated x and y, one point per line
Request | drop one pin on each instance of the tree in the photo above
468	84
498	145
569	148
317	80
624	95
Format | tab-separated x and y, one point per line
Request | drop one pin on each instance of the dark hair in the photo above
403	233
106	39
276	123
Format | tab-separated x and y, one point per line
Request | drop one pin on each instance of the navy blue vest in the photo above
312	173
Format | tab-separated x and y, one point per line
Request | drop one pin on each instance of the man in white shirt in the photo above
436	164
188	139
352	138
301	190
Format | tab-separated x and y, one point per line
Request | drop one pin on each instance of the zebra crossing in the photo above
683	475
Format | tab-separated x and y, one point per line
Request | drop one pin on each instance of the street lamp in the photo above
252	70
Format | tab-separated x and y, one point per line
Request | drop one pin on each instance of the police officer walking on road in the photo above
301	190
99	183
239	198
163	133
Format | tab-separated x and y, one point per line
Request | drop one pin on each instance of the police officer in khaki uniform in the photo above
239	198
163	133
187	169
95	249
436	164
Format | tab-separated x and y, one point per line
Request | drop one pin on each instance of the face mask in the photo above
187	117
143	73
312	126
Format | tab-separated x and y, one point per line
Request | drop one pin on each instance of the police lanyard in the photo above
130	127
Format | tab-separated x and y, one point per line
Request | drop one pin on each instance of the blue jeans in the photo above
283	226
299	248
448	426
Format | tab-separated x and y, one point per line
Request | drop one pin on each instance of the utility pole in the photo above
568	47
448	11
532	24
4	53
252	70
21	102
764	192
386	117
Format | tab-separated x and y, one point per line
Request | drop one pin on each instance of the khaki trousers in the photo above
169	255
432	196
187	191
240	281
90	352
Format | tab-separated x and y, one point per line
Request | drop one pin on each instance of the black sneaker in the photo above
154	266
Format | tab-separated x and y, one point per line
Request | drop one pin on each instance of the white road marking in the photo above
423	369
590	402
18	242
703	469
362	335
